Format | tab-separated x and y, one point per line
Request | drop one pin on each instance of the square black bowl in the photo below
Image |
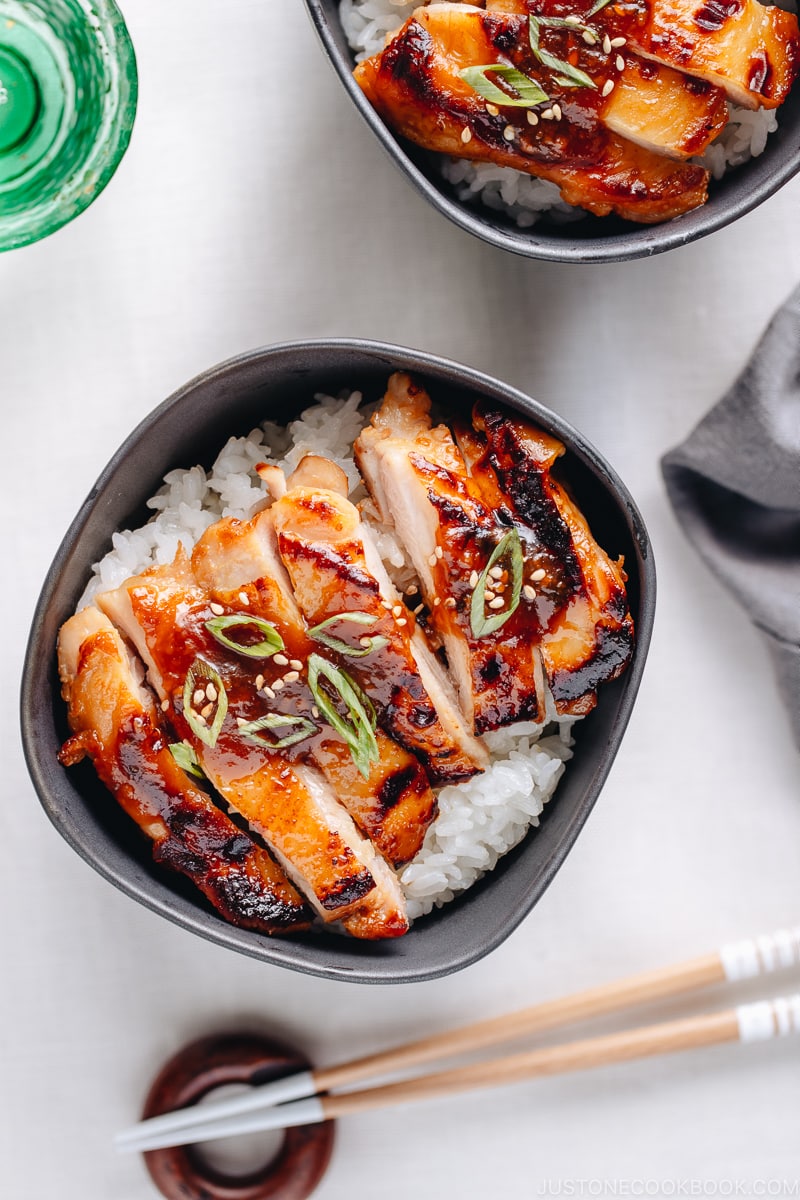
593	239
191	427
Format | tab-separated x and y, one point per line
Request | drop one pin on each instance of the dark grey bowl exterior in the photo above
190	427
594	239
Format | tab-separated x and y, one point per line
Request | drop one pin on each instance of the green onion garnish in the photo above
568	75
252	731
201	674
186	758
529	93
598	7
483	622
269	643
359	618
358	726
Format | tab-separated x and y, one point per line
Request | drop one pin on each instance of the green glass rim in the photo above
109	144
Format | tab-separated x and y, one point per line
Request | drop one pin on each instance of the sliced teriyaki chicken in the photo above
748	49
419	482
572	589
417	86
116	723
205	668
388	793
354	610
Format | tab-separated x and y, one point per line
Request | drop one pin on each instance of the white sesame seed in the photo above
245	599
397	611
211	691
538	574
314	710
199	696
620	63
268	692
280	660
387	604
437	602
589	37
547	115
496	572
493	110
240	721
164	705
295	664
473	579
412	589
291	676
365	641
201	718
402	621
533	118
206	711
606	45
466	134
608	87
450	602
217	609
431	562
528	592
439	552
278	685
557	112
617	42
418	609
509	133
572	20
259	682
497	603
489	594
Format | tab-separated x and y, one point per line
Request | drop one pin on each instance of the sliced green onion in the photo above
358	618
529	93
484	623
597	7
251	732
358	727
270	643
565	70
201	674
186	758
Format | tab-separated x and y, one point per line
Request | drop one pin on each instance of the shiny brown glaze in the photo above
288	804
397	829
748	49
116	724
586	630
321	542
415	85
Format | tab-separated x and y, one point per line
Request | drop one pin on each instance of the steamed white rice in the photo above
520	196
479	820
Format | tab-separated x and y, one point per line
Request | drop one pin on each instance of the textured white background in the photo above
254	206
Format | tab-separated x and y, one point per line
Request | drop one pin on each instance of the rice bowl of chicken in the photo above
226	401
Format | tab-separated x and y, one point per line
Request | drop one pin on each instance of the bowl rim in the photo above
637	241
283	951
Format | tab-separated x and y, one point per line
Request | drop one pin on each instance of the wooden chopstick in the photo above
734	961
747	1023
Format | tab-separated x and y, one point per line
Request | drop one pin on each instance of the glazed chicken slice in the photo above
748	49
419	482
416	85
116	723
574	591
391	799
210	693
346	595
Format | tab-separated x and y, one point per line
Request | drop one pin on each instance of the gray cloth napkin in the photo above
735	487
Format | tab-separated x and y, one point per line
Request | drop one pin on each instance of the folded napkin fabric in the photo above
735	487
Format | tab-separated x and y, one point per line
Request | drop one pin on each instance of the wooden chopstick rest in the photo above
212	1062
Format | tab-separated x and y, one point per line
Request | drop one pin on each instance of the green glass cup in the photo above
68	89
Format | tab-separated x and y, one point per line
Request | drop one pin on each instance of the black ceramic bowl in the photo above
593	239
191	427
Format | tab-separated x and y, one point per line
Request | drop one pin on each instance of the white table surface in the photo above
254	206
